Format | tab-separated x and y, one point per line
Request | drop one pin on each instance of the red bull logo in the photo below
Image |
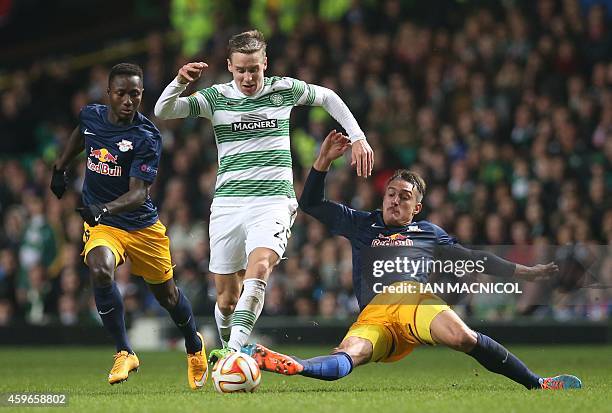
103	155
105	158
393	240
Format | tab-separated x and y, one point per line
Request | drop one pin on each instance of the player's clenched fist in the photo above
59	182
190	72
92	214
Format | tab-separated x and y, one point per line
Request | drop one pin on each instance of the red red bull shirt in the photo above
114	154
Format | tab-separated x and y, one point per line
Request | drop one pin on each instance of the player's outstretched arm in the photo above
362	157
190	72
334	146
497	266
339	218
170	105
313	200
536	272
75	146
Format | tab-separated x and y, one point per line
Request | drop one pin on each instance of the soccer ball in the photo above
236	372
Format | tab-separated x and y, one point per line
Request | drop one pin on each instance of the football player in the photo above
123	149
390	325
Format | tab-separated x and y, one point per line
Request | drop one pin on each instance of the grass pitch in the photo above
436	380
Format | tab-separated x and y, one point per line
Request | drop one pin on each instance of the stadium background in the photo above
504	107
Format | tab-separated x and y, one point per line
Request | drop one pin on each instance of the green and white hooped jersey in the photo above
252	135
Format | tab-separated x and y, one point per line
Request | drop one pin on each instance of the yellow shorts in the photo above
147	248
396	324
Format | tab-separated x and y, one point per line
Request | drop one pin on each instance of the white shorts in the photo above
235	231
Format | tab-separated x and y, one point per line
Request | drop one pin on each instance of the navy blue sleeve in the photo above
493	265
442	236
338	218
146	158
450	249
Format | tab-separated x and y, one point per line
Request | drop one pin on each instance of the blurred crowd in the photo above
506	114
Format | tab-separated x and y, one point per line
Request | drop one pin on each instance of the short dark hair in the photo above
129	69
410	177
247	42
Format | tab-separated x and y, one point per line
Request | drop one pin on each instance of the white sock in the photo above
224	325
247	312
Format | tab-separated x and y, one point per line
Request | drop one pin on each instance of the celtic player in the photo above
250	117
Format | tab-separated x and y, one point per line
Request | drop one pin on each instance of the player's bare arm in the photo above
59	181
73	148
333	147
191	72
536	272
132	199
495	265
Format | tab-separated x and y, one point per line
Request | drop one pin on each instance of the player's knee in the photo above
227	303
463	339
261	261
261	268
101	275
169	300
360	350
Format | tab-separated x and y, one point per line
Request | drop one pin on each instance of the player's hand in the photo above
334	146
540	271
191	72
92	214
59	182
363	158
